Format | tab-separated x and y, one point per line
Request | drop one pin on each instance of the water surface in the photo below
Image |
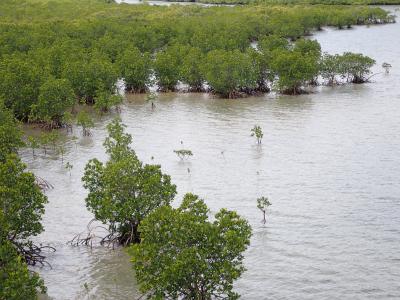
329	162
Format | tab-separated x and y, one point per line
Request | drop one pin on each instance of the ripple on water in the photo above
328	162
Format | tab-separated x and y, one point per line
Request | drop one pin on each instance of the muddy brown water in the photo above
329	162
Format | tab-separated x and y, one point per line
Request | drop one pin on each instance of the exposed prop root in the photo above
43	184
111	239
87	237
32	254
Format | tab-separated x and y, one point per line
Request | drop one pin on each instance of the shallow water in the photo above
329	162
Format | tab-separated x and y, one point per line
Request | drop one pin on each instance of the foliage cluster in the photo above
353	67
21	209
257	132
56	53
177	253
183	255
123	191
183	153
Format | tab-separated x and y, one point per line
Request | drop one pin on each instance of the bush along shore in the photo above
55	55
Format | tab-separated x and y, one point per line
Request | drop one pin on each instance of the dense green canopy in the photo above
184	255
90	44
123	191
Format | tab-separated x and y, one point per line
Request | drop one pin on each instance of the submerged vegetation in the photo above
54	55
183	153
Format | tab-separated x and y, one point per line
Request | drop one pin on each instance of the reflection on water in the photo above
329	162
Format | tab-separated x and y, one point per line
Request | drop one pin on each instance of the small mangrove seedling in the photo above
69	167
257	132
183	154
53	138
151	97
61	151
44	141
84	120
105	100
33	144
387	67
67	121
75	139
262	204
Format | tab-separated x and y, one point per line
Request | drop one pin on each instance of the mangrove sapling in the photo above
69	167
105	100
33	144
84	120
356	67
152	97
61	151
183	153
387	67
44	141
257	133
67	121
53	138
123	191
262	204
75	139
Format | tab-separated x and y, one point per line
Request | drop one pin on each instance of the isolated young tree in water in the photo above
69	166
356	67
183	153
184	255
123	191
44	140
387	67
84	120
152	97
262	204
257	132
